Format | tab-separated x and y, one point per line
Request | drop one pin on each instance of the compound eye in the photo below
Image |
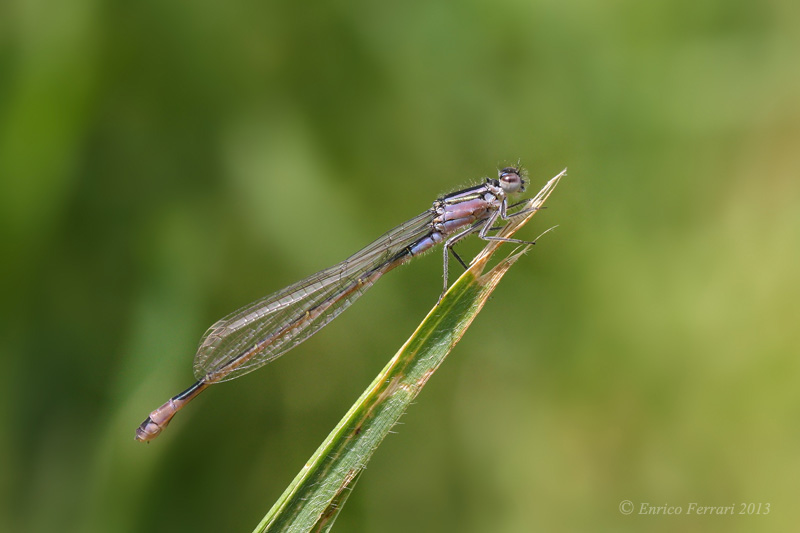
510	180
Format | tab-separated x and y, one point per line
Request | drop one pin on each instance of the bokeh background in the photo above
164	163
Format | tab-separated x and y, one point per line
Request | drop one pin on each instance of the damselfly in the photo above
264	330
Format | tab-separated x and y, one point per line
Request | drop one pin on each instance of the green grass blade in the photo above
313	500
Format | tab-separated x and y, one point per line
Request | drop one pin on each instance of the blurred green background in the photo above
164	163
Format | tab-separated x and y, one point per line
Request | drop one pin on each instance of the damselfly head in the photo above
510	180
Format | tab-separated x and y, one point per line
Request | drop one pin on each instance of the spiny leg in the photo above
448	247
487	227
458	258
509	216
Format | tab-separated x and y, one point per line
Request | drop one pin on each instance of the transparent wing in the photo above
262	331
